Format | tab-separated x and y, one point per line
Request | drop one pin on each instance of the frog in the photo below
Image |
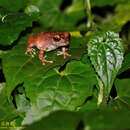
48	41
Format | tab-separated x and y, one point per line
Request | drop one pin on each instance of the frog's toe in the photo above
46	61
59	53
43	63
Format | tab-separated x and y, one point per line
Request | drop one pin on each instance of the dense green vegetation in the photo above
89	90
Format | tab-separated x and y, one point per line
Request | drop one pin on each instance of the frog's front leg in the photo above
63	52
41	56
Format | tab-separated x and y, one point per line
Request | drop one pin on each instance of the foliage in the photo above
7	110
106	54
11	27
122	99
103	117
89	89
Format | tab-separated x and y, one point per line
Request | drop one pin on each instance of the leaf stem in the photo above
102	93
88	13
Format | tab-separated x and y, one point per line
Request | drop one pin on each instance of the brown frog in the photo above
48	41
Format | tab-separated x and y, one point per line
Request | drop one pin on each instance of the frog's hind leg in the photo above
42	58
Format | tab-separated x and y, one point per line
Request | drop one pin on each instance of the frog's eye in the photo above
56	39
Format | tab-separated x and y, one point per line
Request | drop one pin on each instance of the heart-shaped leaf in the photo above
106	54
59	90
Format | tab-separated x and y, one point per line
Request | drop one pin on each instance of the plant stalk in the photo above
88	13
102	99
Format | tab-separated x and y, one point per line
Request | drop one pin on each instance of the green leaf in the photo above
118	19
102	118
122	101
59	90
106	54
91	102
51	16
61	120
77	5
126	64
23	104
7	110
18	67
12	5
12	26
106	118
32	10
